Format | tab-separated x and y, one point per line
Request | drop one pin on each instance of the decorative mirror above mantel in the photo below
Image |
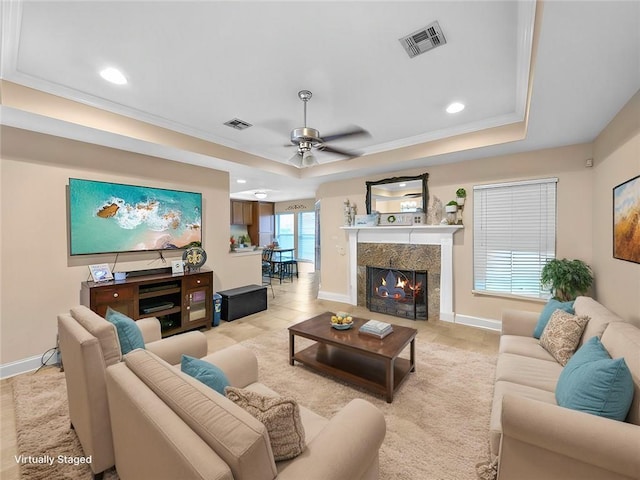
398	194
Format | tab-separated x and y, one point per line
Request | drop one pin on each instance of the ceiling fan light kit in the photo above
307	138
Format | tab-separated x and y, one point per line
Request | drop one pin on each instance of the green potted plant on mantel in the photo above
451	208
461	194
566	279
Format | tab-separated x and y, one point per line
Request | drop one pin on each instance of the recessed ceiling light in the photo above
240	180
113	75
402	185
455	107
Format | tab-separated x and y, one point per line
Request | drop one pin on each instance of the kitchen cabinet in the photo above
262	229
241	212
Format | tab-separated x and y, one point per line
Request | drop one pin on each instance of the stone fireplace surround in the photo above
428	247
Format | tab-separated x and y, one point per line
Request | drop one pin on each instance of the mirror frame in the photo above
425	191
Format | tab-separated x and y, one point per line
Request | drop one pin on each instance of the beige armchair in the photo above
89	344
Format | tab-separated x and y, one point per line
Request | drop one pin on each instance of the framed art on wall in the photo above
626	220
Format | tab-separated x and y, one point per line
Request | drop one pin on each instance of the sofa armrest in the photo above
150	329
541	440
519	322
345	448
238	363
170	349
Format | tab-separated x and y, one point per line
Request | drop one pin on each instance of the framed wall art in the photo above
626	220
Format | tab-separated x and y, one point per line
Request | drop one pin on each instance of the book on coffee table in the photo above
376	328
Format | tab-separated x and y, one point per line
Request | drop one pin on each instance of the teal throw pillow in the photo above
546	313
129	333
205	372
593	382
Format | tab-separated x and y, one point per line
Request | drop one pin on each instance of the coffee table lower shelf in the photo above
377	374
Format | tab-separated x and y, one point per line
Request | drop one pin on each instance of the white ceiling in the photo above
191	66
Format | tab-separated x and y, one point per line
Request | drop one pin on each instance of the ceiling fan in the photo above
307	138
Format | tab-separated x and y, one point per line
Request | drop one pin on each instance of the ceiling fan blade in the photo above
340	151
353	132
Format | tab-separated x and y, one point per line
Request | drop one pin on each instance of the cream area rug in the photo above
437	425
47	447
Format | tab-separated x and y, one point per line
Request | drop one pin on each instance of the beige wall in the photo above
574	217
584	215
38	278
616	160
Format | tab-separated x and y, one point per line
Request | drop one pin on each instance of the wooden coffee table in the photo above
357	358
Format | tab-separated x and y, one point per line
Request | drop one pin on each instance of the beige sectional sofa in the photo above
166	425
89	344
537	439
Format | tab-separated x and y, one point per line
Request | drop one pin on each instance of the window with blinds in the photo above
514	236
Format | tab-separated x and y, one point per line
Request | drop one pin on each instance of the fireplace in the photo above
402	293
428	248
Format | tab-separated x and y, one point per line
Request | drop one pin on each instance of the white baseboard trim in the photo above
334	297
447	317
485	323
20	366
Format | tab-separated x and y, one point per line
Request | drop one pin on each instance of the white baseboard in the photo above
447	317
21	366
485	323
334	297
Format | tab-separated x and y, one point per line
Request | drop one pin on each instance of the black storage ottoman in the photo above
242	301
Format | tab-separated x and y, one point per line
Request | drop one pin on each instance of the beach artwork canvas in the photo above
626	220
110	217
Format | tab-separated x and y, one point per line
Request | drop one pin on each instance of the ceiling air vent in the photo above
423	40
237	124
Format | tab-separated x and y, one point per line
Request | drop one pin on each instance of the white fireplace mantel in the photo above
413	235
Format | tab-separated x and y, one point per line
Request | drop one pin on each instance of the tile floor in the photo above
294	301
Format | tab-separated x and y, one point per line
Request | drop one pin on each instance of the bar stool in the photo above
267	269
290	266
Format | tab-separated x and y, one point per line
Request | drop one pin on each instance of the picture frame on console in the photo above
626	223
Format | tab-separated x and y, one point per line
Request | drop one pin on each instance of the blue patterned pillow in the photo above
129	334
593	382
546	313
205	372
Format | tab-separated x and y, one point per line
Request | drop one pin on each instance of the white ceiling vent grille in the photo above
423	40
238	124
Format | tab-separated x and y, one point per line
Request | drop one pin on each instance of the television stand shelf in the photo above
180	302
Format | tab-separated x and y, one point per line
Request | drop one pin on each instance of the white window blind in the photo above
514	236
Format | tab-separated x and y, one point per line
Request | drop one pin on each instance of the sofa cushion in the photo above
529	371
501	388
562	334
129	335
280	415
205	372
595	383
525	346
237	437
623	340
104	331
551	306
598	314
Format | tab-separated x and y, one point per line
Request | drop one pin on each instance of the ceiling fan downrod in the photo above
305	96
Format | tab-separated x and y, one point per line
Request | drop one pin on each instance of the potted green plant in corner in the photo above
566	279
461	194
